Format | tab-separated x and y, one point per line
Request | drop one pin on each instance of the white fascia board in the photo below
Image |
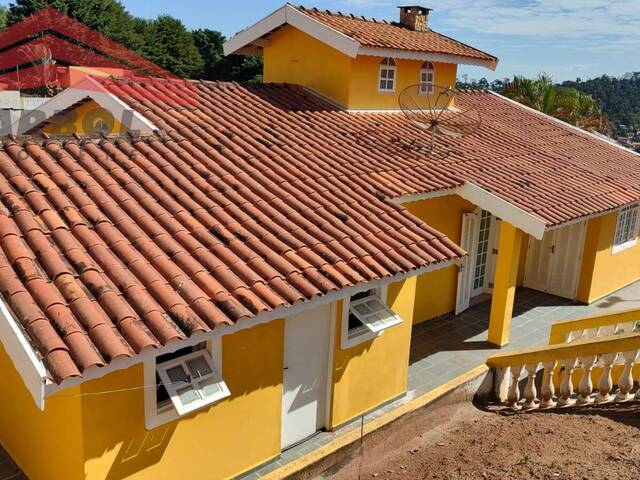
525	221
242	324
254	32
88	88
26	362
290	15
418	197
430	57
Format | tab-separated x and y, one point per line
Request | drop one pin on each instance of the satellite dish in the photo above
430	107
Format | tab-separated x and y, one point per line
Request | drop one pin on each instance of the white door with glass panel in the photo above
480	235
553	263
306	366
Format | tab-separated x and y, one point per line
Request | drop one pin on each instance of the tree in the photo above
238	68
170	45
164	40
108	17
564	103
3	17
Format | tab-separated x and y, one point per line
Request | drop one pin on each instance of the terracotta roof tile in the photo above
111	247
383	34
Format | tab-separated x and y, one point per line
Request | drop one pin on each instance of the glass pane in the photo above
383	74
210	387
187	395
382	84
199	367
177	374
362	309
391	73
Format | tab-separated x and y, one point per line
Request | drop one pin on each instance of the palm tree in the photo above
567	104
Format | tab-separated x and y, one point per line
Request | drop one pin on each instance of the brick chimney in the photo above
415	17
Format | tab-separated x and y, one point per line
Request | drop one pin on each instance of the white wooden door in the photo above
306	359
567	258
538	265
466	270
553	263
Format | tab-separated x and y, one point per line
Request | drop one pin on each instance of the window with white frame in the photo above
627	228
188	380
427	78
365	316
387	80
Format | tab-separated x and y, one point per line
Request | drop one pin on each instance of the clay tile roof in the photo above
254	199
538	164
110	247
386	35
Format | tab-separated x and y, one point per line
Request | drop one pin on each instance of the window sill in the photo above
624	246
356	337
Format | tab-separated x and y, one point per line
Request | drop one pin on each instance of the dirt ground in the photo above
462	442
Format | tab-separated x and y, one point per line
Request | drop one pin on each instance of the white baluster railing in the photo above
583	363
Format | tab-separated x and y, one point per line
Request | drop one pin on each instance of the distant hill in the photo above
618	97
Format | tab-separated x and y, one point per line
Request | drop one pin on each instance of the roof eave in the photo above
249	38
491	64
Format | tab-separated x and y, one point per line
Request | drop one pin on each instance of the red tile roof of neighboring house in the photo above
111	247
383	34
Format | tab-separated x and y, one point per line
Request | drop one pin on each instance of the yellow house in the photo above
580	252
189	290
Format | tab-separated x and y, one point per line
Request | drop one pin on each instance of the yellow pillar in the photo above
504	284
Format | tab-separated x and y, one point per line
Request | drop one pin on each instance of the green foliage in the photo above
564	103
164	40
237	68
619	97
108	17
3	16
170	45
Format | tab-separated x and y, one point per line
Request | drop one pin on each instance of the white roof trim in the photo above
525	221
418	197
289	15
242	324
431	57
23	356
88	88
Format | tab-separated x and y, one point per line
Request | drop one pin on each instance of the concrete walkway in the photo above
448	346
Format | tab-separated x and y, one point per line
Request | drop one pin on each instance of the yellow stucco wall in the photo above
45	444
374	371
602	272
363	93
231	436
82	121
85	433
293	56
436	291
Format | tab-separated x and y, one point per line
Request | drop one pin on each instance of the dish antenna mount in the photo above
430	108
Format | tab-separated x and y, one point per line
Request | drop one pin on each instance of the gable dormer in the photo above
360	63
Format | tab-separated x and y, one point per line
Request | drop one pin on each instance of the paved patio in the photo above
447	346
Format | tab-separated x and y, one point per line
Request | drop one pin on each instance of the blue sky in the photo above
565	38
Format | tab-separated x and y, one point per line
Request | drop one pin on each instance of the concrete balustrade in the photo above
586	362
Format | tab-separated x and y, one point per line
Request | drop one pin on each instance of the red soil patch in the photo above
461	442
